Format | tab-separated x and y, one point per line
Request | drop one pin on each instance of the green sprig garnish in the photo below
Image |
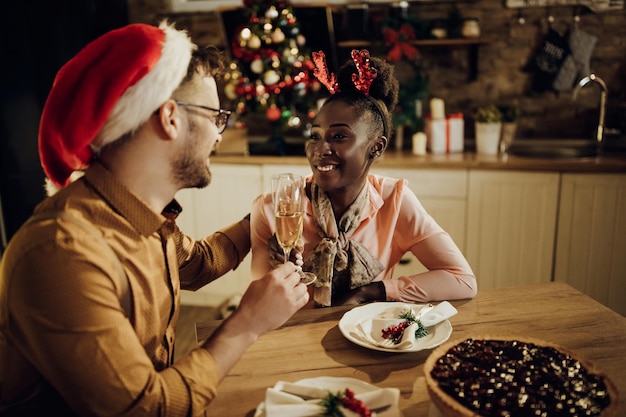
334	401
408	315
395	332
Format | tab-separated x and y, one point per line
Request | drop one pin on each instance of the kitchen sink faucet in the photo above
603	94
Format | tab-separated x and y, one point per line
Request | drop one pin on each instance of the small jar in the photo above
471	28
438	29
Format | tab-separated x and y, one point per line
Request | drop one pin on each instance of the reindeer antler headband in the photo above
362	79
321	72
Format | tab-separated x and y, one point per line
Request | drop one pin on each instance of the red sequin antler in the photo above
321	73
366	74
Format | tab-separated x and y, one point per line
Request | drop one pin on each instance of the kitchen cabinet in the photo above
591	237
226	200
511	220
229	197
443	193
504	221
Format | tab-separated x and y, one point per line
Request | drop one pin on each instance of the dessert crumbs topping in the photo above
513	378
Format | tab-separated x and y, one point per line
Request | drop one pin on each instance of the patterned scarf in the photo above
336	255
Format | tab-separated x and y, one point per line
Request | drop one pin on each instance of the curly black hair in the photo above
384	92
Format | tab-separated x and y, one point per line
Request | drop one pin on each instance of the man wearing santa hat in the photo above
90	285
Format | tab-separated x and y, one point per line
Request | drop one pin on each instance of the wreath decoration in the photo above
410	69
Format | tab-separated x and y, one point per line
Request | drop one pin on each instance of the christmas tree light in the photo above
272	71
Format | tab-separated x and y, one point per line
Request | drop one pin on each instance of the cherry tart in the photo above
515	377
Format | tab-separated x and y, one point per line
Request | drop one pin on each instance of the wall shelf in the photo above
422	42
471	44
593	5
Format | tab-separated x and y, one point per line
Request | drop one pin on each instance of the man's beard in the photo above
188	169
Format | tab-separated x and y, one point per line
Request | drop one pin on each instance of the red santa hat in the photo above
109	89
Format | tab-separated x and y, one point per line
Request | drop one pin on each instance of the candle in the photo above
419	143
399	137
437	109
418	108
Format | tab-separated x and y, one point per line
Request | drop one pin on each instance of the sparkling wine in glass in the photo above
288	198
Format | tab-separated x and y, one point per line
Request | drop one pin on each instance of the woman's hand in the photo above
276	253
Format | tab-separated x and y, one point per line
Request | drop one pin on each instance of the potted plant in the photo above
488	126
510	114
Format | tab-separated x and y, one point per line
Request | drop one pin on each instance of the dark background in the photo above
38	37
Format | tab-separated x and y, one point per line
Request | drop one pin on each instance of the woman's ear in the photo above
383	143
378	147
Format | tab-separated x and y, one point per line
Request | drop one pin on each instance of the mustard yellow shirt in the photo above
66	343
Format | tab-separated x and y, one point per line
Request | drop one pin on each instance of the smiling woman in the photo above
357	226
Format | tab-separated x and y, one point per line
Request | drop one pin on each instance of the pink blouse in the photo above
393	223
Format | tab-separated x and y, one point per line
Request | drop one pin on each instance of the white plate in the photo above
333	384
437	334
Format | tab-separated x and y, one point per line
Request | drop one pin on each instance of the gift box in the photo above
445	135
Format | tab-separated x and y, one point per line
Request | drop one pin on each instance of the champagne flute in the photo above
288	199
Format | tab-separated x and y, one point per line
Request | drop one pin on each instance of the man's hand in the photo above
267	304
271	300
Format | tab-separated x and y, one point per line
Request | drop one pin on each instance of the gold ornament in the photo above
271	77
229	91
271	13
254	42
256	66
278	36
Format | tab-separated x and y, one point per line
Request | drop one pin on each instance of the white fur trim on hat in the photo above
139	101
51	188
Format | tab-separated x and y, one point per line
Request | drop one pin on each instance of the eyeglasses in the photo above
220	119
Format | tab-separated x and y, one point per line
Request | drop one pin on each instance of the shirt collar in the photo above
375	197
128	204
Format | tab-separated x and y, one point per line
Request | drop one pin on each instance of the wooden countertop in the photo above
311	345
467	160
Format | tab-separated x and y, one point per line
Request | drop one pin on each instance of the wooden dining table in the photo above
311	345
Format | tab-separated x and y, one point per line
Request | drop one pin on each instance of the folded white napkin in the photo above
442	311
287	399
371	330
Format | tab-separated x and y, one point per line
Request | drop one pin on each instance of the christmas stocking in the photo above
576	65
548	60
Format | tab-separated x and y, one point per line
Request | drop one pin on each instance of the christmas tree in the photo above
271	78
